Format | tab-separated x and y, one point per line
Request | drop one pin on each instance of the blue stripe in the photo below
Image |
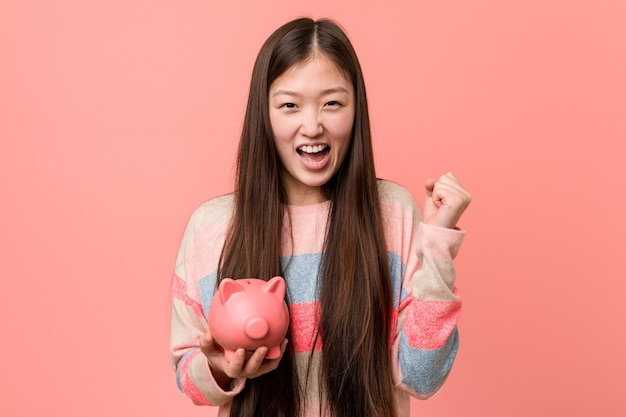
207	291
396	273
178	383
301	273
423	370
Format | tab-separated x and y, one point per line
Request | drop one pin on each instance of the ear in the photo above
227	288
276	285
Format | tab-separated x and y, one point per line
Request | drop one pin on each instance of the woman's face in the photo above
311	109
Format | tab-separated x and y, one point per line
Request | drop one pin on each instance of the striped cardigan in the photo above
425	305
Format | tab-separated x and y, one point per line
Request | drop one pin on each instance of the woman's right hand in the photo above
242	365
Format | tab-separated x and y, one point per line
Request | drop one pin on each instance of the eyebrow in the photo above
326	92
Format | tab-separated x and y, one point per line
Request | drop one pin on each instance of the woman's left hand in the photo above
446	200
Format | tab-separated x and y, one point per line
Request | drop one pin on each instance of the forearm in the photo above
426	347
427	338
203	385
193	375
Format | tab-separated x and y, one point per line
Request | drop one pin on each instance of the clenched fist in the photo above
446	200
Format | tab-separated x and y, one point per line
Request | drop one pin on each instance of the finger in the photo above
450	195
252	365
440	192
234	367
444	187
454	182
268	365
448	179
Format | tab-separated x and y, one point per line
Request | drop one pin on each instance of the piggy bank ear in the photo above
276	285
227	288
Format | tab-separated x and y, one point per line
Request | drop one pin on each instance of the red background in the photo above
118	118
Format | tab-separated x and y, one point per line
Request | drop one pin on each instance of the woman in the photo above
370	283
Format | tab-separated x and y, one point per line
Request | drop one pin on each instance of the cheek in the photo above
281	129
342	128
282	142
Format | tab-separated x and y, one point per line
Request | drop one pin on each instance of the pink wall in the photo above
118	118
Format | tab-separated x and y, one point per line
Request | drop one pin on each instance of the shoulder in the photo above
216	210
398	203
391	193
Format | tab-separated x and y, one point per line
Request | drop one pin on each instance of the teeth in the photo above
312	149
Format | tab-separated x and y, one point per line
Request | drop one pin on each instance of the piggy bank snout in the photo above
256	327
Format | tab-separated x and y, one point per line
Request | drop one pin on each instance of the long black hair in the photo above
355	371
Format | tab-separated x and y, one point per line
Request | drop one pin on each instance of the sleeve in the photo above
188	323
426	338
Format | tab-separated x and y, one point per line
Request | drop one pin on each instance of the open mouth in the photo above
313	154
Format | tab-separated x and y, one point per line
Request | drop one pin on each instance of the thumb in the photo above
430	208
430	186
207	343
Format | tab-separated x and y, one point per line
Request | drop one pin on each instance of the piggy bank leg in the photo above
273	352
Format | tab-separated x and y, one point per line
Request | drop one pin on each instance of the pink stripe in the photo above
304	326
179	291
428	324
440	242
394	318
189	388
394	324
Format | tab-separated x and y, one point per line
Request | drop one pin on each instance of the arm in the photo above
202	371
196	260
426	339
189	331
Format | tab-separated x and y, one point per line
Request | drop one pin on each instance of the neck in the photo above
305	196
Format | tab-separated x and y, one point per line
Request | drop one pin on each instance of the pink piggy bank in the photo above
249	313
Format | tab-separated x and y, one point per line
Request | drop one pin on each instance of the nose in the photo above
311	124
256	328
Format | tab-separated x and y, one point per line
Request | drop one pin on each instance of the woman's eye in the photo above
288	105
333	103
